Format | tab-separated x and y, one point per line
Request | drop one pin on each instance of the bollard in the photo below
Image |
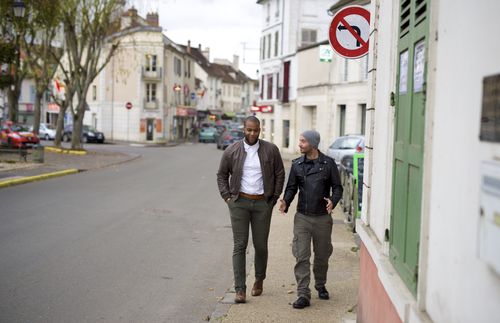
38	154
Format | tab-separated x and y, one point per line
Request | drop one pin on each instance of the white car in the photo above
46	131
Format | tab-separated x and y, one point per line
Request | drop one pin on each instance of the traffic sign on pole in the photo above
350	32
128	105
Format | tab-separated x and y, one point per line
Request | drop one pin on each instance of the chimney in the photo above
206	53
199	47
132	12
188	49
152	19
236	62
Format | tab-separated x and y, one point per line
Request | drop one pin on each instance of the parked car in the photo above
46	131
343	149
207	135
89	134
229	137
17	136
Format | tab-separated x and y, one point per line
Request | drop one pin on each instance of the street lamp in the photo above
19	8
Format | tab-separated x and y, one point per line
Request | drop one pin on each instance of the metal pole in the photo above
128	124
112	97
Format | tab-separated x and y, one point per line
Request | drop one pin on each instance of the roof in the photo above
324	42
343	3
224	72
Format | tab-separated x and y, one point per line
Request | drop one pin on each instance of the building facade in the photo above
430	236
286	27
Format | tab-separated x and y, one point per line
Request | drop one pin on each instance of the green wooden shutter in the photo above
409	140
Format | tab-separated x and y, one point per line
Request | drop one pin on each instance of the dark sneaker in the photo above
323	293
301	302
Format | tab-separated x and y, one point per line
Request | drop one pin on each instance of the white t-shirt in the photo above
252	181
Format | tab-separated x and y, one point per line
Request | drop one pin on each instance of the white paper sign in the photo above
403	72
418	67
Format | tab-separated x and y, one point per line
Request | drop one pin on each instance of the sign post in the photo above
128	105
350	32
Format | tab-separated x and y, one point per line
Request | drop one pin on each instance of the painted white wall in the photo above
460	287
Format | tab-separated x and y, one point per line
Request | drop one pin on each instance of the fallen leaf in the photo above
290	292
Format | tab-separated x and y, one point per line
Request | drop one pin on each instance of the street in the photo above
145	241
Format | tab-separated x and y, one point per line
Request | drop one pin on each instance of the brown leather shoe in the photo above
257	288
240	297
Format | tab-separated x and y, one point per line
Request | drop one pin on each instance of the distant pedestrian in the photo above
250	179
317	179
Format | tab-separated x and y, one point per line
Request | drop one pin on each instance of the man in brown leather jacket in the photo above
250	179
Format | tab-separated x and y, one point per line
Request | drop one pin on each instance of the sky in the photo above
226	26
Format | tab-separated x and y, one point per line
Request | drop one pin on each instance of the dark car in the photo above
89	134
229	137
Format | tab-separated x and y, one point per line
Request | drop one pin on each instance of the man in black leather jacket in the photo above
317	179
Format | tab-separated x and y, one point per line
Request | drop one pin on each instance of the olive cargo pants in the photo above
319	230
257	214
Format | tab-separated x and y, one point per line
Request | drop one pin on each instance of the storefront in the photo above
184	121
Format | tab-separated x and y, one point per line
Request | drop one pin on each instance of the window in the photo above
94	92
32	93
308	37
342	111
286	81
262	88
177	66
362	111
263	47
277	13
150	63
268	14
269	46
269	86
189	69
277	85
345	74
286	133
276	42
150	92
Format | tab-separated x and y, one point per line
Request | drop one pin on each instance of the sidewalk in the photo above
280	289
56	162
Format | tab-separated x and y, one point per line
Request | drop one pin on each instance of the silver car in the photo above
46	131
343	148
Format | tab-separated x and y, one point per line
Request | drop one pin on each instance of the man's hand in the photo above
329	205
227	200
282	206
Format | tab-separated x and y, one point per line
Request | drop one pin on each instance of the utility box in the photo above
38	154
489	217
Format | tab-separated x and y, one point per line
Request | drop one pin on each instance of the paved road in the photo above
146	241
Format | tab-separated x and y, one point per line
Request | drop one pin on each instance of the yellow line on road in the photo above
28	179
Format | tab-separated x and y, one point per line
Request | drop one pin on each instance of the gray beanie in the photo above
312	137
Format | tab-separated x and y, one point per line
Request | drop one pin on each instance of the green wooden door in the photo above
409	140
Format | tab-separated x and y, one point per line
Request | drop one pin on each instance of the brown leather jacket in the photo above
231	171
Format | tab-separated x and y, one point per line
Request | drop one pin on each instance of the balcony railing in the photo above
152	75
150	104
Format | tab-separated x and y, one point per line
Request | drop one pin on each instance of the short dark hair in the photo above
251	119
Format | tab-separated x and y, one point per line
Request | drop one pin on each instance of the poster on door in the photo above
419	67
143	126
403	72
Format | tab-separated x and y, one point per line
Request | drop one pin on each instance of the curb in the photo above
29	179
65	151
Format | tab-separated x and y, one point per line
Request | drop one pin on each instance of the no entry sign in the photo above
350	32
128	105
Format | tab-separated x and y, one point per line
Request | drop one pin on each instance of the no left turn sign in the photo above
350	31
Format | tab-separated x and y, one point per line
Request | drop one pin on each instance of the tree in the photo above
87	26
15	30
43	54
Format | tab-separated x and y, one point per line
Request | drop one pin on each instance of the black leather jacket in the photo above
322	180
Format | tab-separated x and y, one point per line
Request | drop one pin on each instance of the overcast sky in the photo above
222	25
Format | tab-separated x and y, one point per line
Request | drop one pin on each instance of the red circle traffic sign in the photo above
339	23
128	105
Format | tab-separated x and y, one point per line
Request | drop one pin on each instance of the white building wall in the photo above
454	176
